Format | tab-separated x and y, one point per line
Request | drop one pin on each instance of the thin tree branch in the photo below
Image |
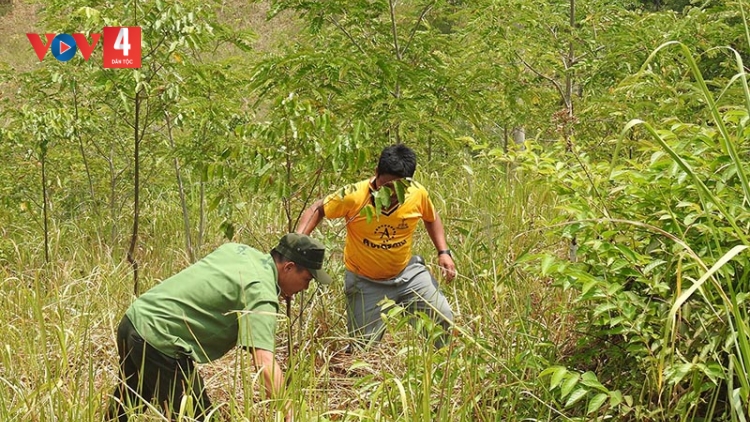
309	195
348	35
394	32
181	190
82	150
541	75
416	25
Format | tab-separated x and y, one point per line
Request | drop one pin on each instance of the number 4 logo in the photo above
121	43
122	47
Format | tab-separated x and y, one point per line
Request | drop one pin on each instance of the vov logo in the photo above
122	46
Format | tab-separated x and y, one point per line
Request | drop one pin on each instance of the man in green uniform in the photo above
229	298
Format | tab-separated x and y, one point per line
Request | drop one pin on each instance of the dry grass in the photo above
16	54
254	16
15	50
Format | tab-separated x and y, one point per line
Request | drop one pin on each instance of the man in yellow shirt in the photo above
378	249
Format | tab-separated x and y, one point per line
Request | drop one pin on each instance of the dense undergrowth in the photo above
603	263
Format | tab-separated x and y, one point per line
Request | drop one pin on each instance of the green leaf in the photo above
615	398
368	212
589	380
596	402
548	371
359	365
629	253
604	307
547	264
676	373
569	384
653	264
400	191
589	285
576	397
557	377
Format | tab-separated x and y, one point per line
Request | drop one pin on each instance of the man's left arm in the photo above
273	378
437	234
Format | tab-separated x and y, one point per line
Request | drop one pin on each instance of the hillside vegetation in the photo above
589	161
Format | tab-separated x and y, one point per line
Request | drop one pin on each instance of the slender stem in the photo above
202	220
309	196
113	175
570	61
136	190
541	75
181	190
81	148
394	32
348	34
416	25
44	204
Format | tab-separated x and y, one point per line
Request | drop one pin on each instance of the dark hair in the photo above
397	160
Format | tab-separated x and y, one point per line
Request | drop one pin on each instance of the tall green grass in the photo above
663	275
58	360
721	276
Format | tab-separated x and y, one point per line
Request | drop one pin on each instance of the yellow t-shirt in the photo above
381	248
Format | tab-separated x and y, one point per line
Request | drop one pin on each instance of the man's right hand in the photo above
447	267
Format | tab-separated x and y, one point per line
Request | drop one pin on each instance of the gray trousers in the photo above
414	288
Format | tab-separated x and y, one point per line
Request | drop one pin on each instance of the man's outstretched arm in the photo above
311	218
273	377
437	234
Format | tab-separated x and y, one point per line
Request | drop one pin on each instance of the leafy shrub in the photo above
659	272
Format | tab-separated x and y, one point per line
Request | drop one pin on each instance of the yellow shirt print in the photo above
381	248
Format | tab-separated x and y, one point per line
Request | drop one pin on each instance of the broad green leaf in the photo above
629	253
568	384
604	307
547	264
653	264
589	285
615	398
557	377
589	380
400	191
676	373
596	403
368	212
359	365
576	396
548	371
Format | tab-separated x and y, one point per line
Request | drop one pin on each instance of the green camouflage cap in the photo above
305	251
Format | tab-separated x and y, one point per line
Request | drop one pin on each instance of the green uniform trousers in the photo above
147	374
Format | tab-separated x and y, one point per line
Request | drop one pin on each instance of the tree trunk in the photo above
84	157
519	135
136	190
181	190
202	217
44	202
114	233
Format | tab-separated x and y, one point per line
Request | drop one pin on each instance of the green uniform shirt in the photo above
228	298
